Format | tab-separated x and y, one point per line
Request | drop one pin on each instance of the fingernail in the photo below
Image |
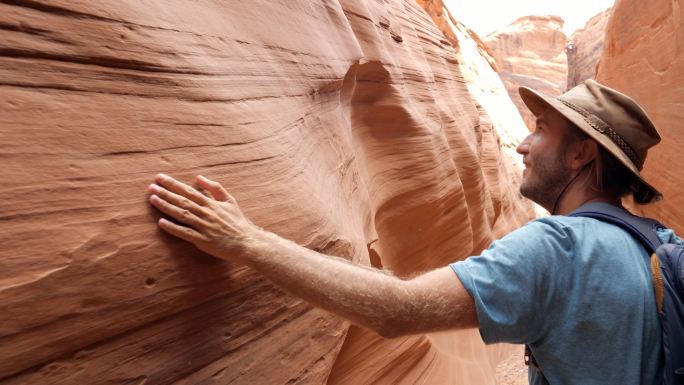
153	188
154	198
162	176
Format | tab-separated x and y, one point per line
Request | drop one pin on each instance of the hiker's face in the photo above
546	169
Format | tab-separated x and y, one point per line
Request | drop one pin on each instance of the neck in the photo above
581	194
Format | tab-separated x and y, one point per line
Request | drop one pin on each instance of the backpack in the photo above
667	269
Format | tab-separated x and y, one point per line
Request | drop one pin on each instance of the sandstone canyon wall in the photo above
442	18
585	47
450	27
531	52
343	125
644	57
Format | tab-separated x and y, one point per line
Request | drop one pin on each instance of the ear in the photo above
583	153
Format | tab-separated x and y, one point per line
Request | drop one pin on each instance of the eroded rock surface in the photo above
585	47
531	52
367	358
442	18
449	26
345	126
643	57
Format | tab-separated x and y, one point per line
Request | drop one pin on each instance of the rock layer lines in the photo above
643	58
345	126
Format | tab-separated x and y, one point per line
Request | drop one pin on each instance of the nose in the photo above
524	146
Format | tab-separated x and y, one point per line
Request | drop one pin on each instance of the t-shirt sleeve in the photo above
517	283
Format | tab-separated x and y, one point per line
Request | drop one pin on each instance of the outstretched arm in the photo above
366	296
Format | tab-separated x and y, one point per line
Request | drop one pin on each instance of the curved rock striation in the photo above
585	47
531	52
343	125
643	58
442	18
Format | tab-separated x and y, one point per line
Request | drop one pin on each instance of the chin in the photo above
522	190
526	191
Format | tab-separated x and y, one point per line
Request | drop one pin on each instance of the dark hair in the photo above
611	175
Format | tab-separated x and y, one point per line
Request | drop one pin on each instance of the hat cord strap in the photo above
555	205
599	125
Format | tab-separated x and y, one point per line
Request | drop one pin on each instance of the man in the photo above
576	290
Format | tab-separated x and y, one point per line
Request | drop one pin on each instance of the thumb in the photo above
215	189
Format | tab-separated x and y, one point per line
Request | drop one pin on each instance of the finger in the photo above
215	188
182	232
177	200
181	215
181	188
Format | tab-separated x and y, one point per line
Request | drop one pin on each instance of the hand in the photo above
213	223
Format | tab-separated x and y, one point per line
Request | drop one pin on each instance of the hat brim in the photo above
538	102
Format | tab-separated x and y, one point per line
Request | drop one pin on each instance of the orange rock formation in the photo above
449	26
345	126
442	18
643	57
585	47
531	52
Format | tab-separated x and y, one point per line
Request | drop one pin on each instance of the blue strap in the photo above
643	229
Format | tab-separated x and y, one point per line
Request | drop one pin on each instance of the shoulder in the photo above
564	226
533	243
559	235
559	228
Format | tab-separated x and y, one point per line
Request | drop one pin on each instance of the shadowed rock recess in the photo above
346	126
584	49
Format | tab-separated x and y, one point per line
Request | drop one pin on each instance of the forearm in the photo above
366	296
434	301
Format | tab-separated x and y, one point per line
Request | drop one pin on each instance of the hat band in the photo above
600	126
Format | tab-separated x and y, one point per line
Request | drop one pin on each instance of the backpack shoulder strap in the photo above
643	229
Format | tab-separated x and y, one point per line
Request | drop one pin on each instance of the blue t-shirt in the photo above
579	292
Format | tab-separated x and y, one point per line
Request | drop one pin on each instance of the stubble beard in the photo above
545	180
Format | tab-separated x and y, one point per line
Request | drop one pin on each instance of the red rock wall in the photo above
446	23
585	47
643	57
531	52
345	126
441	17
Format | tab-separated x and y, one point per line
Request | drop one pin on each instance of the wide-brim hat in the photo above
611	118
